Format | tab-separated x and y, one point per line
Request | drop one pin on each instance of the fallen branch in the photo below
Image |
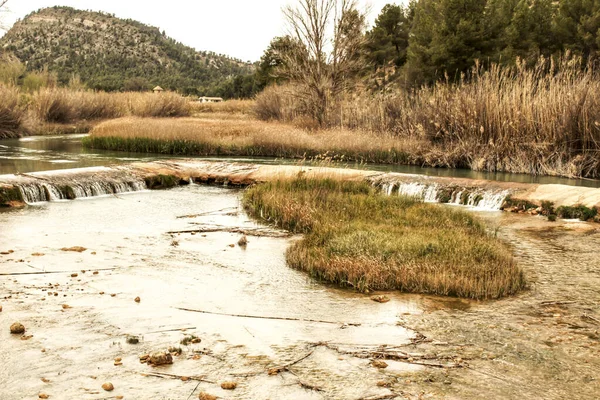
173	330
277	370
262	317
384	397
587	316
556	303
382	354
257	232
180	377
54	272
207	213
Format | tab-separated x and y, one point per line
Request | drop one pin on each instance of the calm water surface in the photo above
44	153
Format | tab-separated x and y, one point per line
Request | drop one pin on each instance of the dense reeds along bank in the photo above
357	237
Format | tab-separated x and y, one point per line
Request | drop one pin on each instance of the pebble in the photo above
0	308
380	299
379	364
74	275
228	385
96	272
206	396
17	328
43	396
108	387
137	299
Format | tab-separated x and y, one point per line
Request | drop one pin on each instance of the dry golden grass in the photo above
11	113
225	107
355	236
194	136
542	121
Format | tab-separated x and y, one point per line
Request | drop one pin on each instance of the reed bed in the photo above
541	121
357	237
226	107
11	113
192	136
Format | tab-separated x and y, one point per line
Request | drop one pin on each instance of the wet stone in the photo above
108	387
157	359
17	328
380	299
379	364
228	385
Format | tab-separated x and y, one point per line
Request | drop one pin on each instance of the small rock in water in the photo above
74	275
96	272
137	299
160	359
75	249
206	396
380	299
228	385
43	396
108	387
17	328
379	364
243	242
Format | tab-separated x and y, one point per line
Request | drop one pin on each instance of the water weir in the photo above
98	181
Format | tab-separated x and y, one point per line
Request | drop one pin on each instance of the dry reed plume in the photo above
543	121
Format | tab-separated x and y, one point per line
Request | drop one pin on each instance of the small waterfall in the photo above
479	198
38	192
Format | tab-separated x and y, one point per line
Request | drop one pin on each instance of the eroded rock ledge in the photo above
16	190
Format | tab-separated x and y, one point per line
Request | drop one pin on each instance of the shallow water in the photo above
44	153
126	240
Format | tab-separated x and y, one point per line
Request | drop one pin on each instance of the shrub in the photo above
11	113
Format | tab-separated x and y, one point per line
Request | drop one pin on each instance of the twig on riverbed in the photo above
304	384
556	303
589	317
207	213
260	232
384	397
174	330
384	353
263	317
53	272
173	376
277	370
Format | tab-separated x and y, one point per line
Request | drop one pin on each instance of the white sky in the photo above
238	28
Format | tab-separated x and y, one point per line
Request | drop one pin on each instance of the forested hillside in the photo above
113	54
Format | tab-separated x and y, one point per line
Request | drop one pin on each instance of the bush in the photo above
11	113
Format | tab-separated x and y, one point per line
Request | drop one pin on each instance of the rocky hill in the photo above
110	53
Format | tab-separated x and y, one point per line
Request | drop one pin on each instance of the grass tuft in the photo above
354	236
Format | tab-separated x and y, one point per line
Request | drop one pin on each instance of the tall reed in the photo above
543	120
11	113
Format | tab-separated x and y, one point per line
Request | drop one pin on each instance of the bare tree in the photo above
2	9
326	58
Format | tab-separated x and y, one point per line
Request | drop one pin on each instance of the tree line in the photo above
429	40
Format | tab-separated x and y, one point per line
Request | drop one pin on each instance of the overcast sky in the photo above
238	28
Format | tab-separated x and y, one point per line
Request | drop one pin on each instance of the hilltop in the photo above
109	53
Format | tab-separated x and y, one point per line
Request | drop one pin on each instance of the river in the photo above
45	153
270	329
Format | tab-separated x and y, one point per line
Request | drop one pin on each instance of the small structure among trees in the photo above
158	89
